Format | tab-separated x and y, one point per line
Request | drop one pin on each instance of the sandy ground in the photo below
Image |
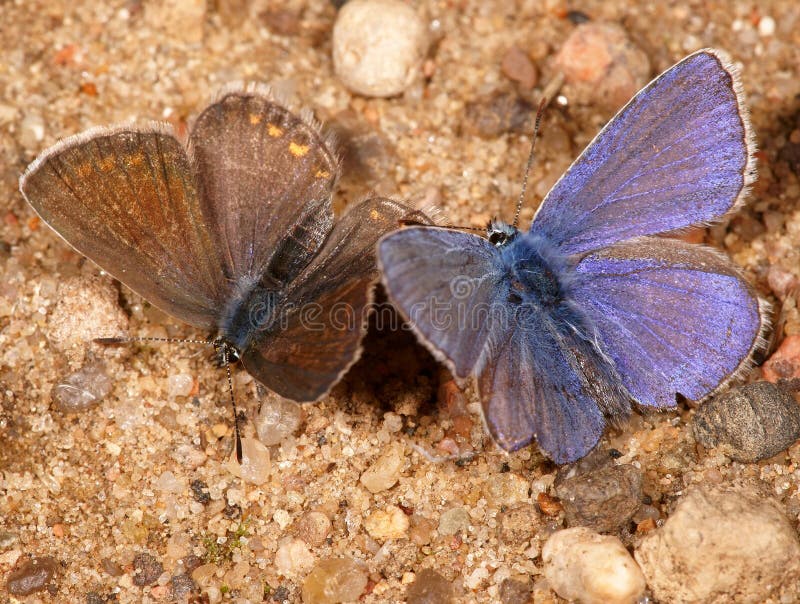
96	488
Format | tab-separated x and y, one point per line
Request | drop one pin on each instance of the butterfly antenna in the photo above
128	340
237	433
548	93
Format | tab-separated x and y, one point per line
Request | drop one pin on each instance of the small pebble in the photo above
335	580
453	521
313	528
378	46
749	423
293	557
508	488
180	384
182	585
385	471
720	542
429	587
517	66
277	419
86	308
519	524
602	66
146	569
31	576
31	131
496	114
200	491
784	362
603	499
590	568
182	20
255	466
766	26
515	591
388	523
82	389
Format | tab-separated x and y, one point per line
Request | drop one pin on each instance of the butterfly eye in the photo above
497	238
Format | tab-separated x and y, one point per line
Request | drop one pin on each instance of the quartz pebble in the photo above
293	557
517	66
82	389
388	523
87	308
378	46
335	580
749	423
385	471
784	362
603	499
602	66
720	542
146	569
429	587
277	419
453	521
590	568
255	466
31	576
313	528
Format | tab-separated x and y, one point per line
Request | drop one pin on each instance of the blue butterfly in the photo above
568	324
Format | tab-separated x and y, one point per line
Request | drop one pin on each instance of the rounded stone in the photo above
720	542
603	499
384	473
602	66
335	580
584	566
378	46
82	389
388	523
749	423
31	576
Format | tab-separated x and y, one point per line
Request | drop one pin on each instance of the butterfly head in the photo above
500	233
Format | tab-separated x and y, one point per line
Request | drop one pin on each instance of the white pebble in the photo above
378	46
590	568
180	384
255	466
766	26
293	557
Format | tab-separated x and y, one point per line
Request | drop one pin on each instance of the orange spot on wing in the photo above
255	118
374	214
322	174
274	131
298	150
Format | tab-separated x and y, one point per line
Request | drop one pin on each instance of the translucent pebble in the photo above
82	389
385	471
334	580
180	385
277	419
255	466
169	483
453	521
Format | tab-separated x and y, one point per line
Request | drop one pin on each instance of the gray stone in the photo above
602	498
749	423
